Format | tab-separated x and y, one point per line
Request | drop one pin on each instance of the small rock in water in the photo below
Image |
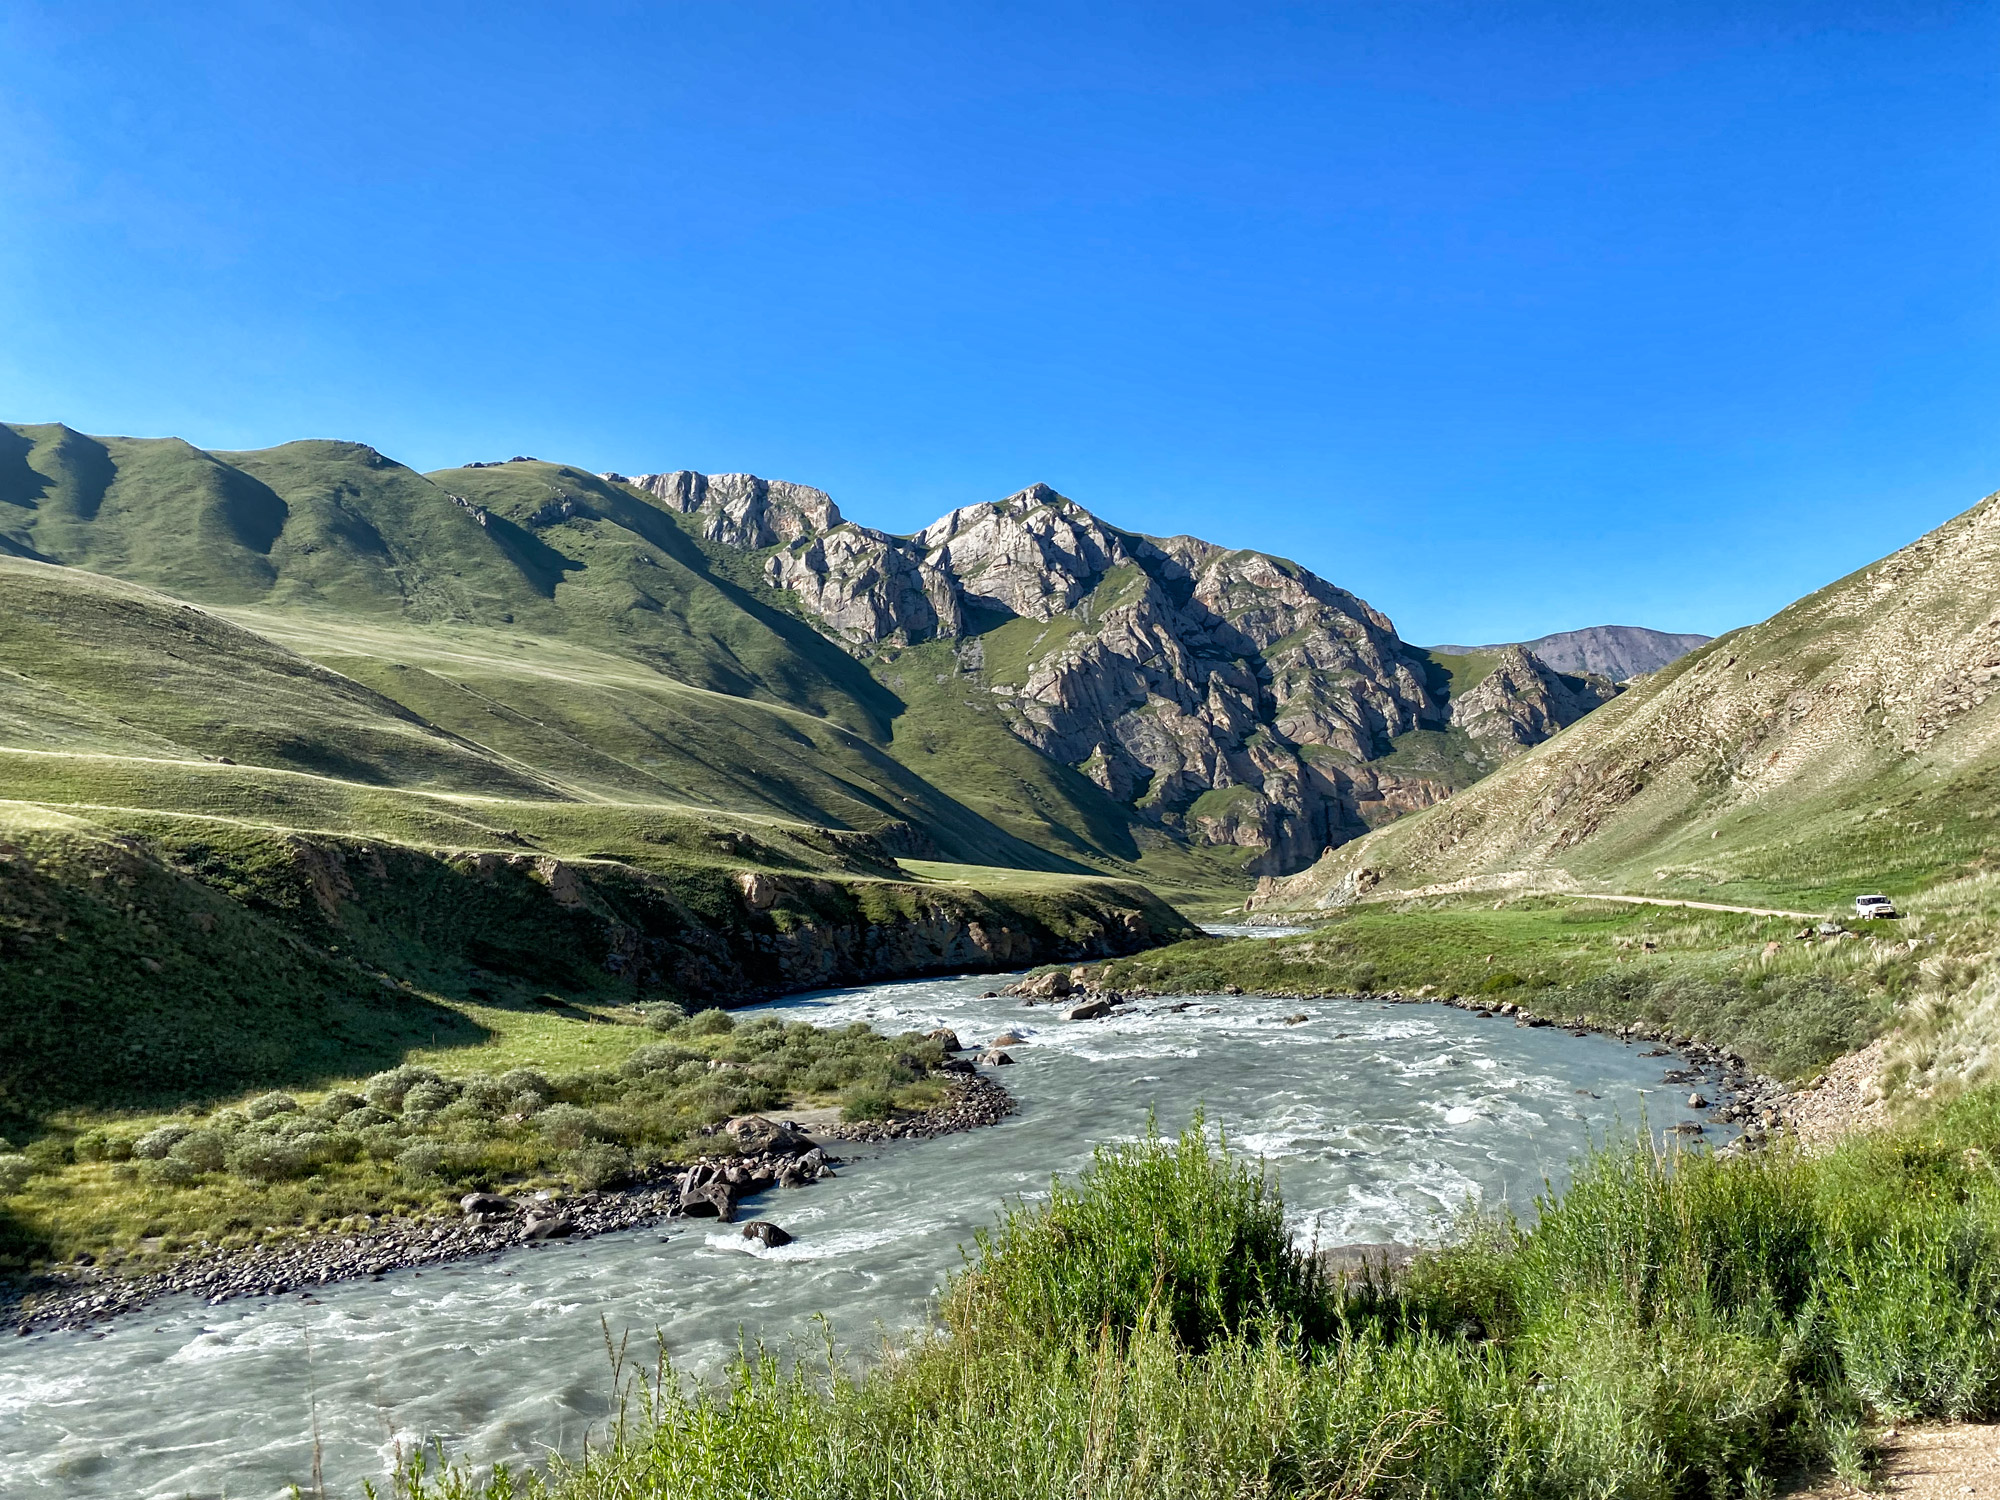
996	1059
1696	1101
767	1234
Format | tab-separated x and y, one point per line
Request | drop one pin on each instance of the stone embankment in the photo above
1717	1079
767	1154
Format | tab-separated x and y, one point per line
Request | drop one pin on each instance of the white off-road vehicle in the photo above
1874	906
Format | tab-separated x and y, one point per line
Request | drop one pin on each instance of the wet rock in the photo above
996	1059
1090	1010
1013	1039
713	1201
1696	1101
1054	986
756	1136
765	1233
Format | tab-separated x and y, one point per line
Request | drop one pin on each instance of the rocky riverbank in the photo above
768	1155
1717	1079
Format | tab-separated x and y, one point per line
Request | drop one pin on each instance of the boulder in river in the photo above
996	1059
1090	1010
711	1201
1015	1039
1055	986
765	1233
945	1037
756	1136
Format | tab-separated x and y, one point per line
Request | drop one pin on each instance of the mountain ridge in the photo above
1228	695
1619	652
1095	698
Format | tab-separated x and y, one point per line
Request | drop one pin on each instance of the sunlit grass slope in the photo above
1850	743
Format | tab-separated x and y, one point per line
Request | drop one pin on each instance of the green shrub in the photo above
598	1166
386	1091
266	1105
566	1127
421	1163
15	1170
659	1056
485	1093
102	1145
428	1096
169	1171
661	1015
364	1117
867	1101
519	1081
267	1158
338	1105
1177	1231
155	1144
204	1150
711	1023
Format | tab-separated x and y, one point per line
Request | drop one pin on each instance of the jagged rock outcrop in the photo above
741	510
1523	701
868	587
1232	697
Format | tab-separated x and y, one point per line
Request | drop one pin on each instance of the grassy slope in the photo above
1848	743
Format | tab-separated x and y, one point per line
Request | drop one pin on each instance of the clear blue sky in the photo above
1511	318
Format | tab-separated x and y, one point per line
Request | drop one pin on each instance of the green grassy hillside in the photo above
419	752
1850	743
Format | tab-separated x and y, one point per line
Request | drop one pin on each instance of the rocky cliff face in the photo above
1523	701
1232	697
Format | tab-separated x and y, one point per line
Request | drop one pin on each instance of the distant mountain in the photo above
1619	652
1850	743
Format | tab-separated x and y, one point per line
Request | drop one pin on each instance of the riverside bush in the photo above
1672	1327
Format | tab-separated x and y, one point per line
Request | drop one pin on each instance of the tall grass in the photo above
1671	1326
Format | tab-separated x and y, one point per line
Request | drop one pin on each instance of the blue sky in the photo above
1510	318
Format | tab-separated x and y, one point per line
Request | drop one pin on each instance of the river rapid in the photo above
1381	1121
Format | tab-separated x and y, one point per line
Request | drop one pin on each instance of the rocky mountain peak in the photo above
1227	695
1035	553
741	510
